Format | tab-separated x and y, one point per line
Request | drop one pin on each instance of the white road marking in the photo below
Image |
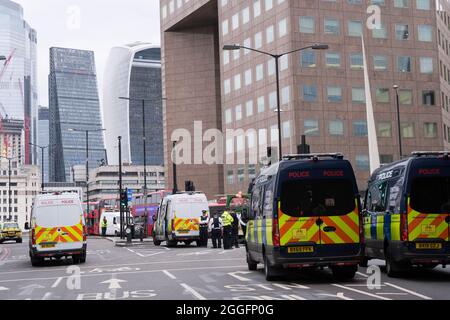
47	296
114	283
361	292
57	282
171	276
131	272
362	274
340	295
192	291
409	291
362	285
3	288
392	294
145	255
235	275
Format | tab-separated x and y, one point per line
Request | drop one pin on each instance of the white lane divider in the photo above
167	273
408	291
361	292
192	291
57	282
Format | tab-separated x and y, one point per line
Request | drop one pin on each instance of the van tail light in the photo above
275	232
33	237
84	233
404	227
173	225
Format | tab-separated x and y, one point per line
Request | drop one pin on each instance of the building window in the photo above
307	25
270	35
407	130
331	26
333	59
428	98
336	127
384	129
258	40
401	3
382	95
311	127
261	105
380	63
354	28
358	95
230	176
404	64
286	129
386	158
430	130
380	32
425	33
309	93
405	96
362	162
401	32
282	28
308	59
360	128
423	4
356	61
249	108
334	94
426	65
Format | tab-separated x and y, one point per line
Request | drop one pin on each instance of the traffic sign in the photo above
130	195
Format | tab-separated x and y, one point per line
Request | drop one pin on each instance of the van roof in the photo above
186	194
66	195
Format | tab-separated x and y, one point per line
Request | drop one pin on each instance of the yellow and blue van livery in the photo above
407	213
305	212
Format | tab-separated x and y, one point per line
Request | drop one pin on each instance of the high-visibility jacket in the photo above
227	219
104	224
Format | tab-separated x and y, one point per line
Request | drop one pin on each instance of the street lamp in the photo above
87	159
398	121
42	162
144	142
277	57
9	184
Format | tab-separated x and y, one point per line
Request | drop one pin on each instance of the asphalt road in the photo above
191	273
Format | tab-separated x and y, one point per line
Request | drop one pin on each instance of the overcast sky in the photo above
96	25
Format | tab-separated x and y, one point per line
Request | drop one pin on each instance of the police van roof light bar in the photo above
313	156
445	154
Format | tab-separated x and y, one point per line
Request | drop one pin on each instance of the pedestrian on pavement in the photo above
227	230
243	224
204	229
216	230
235	230
104	226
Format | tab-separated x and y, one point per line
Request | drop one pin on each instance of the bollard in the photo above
128	232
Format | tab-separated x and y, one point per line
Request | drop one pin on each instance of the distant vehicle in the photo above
58	228
10	231
305	213
144	210
113	222
178	218
407	213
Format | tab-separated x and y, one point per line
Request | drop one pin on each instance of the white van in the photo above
178	218
57	228
113	223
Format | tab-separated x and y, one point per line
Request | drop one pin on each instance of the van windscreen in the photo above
323	197
58	215
431	195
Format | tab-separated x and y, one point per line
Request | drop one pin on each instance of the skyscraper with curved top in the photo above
134	71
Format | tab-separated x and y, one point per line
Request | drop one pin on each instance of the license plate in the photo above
433	246
183	231
48	245
303	249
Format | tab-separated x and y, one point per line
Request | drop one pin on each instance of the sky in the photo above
96	25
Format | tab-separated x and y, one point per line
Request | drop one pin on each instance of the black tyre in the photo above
156	242
35	262
252	265
172	243
269	271
76	259
393	268
364	263
344	272
19	241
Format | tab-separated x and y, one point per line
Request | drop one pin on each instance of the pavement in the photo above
147	272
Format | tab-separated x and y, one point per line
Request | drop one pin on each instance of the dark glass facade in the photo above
74	104
145	83
43	139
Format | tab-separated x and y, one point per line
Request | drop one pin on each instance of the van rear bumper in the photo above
407	252
58	253
344	255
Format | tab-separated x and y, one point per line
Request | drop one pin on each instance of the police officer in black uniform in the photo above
215	227
204	219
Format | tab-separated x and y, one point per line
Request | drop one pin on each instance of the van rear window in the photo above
57	216
325	197
431	195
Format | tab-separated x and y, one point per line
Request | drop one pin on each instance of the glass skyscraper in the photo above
18	75
43	139
134	71
74	104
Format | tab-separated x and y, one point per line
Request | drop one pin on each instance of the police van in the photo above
407	213
58	228
305	212
178	218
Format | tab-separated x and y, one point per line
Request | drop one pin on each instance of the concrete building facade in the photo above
322	92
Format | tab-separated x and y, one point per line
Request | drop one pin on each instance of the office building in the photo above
43	139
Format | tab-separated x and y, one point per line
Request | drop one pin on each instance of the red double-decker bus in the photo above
144	210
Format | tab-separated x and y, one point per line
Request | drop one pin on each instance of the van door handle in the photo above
329	229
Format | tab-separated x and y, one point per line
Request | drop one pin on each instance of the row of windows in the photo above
359	128
6	218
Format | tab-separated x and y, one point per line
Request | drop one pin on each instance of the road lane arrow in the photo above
28	290
114	283
235	275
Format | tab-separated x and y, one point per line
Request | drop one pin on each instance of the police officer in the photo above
235	230
227	230
204	229
215	227
104	226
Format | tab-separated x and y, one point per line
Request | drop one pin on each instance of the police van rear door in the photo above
429	204
319	206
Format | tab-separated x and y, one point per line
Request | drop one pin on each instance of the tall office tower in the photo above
74	107
322	91
43	139
134	71
18	74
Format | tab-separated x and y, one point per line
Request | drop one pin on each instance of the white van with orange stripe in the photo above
178	218
57	228
407	213
305	212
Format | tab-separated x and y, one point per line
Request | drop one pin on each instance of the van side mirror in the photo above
27	226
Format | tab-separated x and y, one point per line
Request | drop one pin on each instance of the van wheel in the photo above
269	271
156	242
172	243
19	241
252	265
364	263
76	259
393	269
35	262
344	272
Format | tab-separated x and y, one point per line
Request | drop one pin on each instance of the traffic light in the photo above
124	198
